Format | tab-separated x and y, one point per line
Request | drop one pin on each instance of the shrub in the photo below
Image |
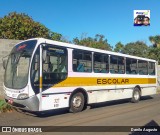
4	107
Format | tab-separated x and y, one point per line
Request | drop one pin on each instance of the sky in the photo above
72	18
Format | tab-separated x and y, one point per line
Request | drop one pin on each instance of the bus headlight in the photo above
22	96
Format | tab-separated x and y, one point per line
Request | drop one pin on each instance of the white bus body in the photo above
73	76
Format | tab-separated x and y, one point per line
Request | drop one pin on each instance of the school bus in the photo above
42	74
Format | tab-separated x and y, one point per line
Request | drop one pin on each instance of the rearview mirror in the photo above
35	66
4	64
4	59
44	52
44	55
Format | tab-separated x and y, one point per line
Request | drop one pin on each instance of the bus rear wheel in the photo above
77	102
136	95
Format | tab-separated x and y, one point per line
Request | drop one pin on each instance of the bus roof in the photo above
69	45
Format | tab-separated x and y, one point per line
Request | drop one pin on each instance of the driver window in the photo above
54	66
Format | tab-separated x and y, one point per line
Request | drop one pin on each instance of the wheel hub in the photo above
77	101
136	95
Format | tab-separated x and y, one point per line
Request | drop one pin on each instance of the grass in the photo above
4	107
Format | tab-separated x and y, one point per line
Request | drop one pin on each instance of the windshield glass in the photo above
16	74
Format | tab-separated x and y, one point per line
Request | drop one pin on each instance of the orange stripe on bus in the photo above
100	81
40	82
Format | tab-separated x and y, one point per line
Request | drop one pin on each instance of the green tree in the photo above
21	26
98	41
155	40
119	47
55	36
137	49
154	53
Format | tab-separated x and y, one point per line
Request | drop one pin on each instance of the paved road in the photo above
115	113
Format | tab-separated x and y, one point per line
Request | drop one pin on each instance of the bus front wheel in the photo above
136	95
77	102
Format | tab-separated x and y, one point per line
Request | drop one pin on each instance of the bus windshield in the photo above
16	74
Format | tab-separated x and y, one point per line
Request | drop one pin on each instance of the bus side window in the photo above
117	64
82	61
101	64
143	67
131	66
151	68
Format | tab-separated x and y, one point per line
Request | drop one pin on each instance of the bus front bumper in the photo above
31	103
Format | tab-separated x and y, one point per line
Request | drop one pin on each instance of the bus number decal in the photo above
56	102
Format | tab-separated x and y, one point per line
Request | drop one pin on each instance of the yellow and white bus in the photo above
42	74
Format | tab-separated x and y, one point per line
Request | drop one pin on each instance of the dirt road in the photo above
115	113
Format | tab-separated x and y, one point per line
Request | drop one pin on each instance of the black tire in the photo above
77	106
136	95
